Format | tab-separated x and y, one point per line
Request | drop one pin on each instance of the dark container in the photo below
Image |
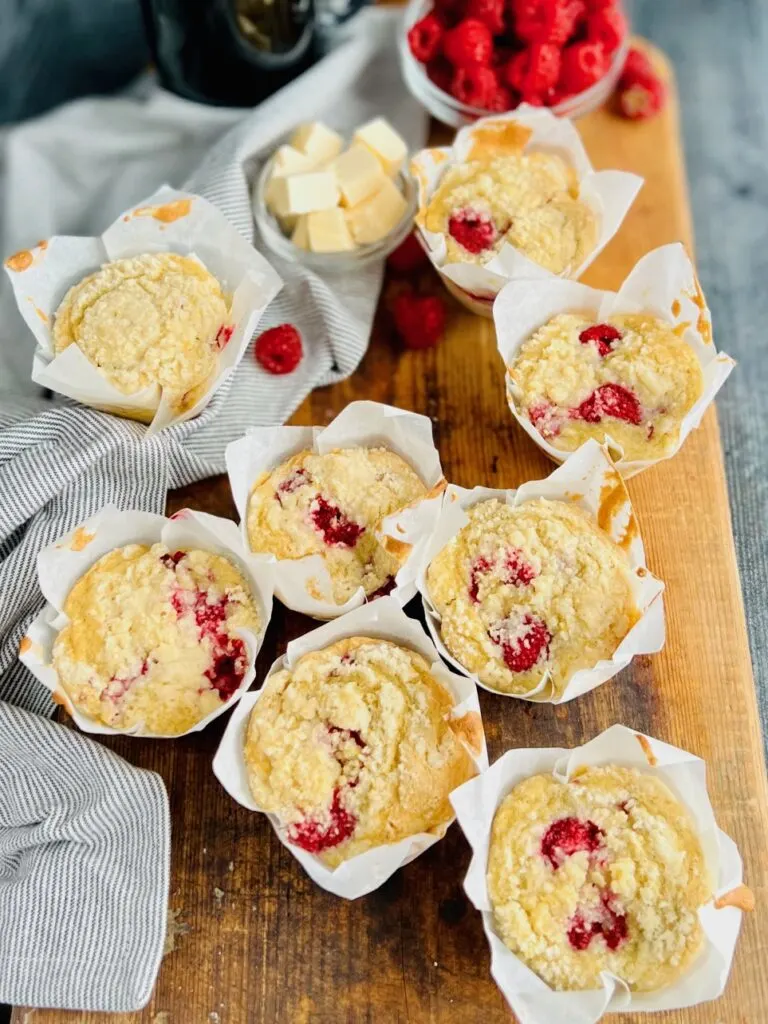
230	52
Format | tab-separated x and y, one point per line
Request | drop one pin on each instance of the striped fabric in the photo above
84	868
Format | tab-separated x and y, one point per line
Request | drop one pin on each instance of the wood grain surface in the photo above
254	940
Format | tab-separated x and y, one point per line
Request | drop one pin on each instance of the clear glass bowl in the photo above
450	111
333	262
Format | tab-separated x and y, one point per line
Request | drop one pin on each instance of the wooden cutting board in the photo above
253	940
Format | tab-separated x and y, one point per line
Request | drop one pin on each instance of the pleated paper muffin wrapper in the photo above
589	480
609	193
63	563
383	619
360	424
168	221
664	284
532	1000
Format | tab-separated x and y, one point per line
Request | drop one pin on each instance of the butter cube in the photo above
303	193
288	160
385	144
375	216
358	174
328	231
300	234
318	143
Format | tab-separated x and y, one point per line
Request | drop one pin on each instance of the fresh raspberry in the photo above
534	72
441	73
475	85
314	836
522	645
582	65
501	100
606	921
425	38
641	97
419	319
471	42
474	231
604	335
330	521
408	256
450	12
279	350
546	21
608	27
567	836
610	400
490	12
636	65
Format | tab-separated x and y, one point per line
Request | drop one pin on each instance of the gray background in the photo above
719	49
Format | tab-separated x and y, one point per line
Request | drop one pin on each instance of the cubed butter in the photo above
385	144
375	216
302	193
300	234
328	231
317	142
358	174
288	160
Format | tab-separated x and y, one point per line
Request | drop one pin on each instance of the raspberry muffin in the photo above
355	748
631	377
153	637
530	200
600	873
528	589
155	319
331	505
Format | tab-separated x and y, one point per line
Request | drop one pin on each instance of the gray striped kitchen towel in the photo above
60	462
84	866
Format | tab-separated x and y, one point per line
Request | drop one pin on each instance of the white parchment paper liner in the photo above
61	564
247	279
590	480
662	283
382	619
533	1000
609	193
360	424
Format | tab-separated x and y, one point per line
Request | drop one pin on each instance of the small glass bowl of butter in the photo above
334	207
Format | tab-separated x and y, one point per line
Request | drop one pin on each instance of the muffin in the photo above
331	505
354	748
531	589
530	200
154	319
600	873
631	377
152	638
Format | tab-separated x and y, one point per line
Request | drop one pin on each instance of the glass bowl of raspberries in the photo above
465	58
